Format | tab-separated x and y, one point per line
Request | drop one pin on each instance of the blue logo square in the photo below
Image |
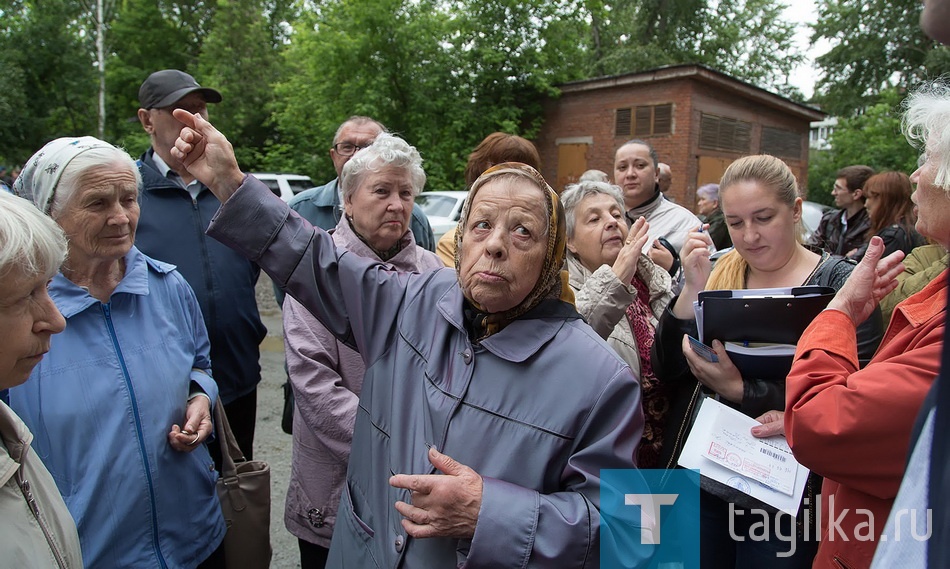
649	519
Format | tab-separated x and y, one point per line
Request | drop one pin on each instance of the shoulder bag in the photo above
244	491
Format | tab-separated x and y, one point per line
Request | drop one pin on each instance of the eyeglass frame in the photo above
356	148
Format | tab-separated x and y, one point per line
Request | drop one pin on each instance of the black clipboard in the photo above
729	317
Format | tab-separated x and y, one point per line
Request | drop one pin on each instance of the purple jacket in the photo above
326	376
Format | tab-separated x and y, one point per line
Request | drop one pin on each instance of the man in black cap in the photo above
176	210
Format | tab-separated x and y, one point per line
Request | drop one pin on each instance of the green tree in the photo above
241	59
43	45
877	44
748	39
873	138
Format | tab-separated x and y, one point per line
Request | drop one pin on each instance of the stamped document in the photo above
722	447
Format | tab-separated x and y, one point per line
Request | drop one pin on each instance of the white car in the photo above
285	186
811	217
443	210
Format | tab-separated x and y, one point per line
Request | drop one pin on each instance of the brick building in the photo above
699	120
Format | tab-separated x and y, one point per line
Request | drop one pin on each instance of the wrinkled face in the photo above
28	318
357	134
163	128
504	243
762	228
932	202
599	231
635	173
705	206
381	206
843	196
664	176
101	216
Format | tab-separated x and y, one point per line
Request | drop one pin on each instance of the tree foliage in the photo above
442	74
876	45
872	138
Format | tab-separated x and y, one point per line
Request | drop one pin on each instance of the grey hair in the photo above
388	150
594	176
574	194
30	241
357	119
926	121
709	191
99	157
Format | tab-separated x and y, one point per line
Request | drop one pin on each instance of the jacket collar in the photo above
72	299
645	209
919	308
405	260
328	195
16	438
520	339
577	271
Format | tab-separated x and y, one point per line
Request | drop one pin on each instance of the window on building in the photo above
724	133
644	120
780	142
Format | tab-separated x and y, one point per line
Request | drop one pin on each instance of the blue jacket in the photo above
498	405
171	228
100	406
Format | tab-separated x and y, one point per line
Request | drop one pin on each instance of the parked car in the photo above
285	186
443	209
811	217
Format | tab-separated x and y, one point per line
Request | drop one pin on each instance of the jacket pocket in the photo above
348	512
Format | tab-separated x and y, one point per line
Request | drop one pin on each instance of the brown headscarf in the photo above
549	283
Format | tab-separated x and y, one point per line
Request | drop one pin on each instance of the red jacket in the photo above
853	426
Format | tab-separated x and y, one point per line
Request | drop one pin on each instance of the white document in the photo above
721	446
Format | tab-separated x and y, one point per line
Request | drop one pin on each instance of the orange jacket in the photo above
853	426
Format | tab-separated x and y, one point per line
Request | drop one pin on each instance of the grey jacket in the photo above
498	406
326	376
37	534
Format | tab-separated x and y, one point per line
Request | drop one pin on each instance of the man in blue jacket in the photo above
176	210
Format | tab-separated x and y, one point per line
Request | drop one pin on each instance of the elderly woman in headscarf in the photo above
619	291
379	184
120	406
37	528
466	374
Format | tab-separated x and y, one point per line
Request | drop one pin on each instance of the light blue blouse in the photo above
101	405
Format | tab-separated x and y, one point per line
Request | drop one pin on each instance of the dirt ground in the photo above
270	443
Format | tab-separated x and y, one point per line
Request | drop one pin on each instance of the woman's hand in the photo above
207	155
696	268
625	266
773	423
869	282
722	377
662	256
197	425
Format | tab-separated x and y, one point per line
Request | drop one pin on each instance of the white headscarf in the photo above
40	176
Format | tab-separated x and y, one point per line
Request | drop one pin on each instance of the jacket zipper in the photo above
107	312
35	508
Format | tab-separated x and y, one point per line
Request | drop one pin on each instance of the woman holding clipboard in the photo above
762	208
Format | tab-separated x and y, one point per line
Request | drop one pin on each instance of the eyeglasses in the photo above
348	148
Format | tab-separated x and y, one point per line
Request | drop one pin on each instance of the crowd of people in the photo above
454	403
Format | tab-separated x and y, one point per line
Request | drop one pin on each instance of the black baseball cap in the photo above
165	88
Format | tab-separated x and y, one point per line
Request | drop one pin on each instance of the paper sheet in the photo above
722	447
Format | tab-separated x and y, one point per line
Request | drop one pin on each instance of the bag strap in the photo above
230	451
